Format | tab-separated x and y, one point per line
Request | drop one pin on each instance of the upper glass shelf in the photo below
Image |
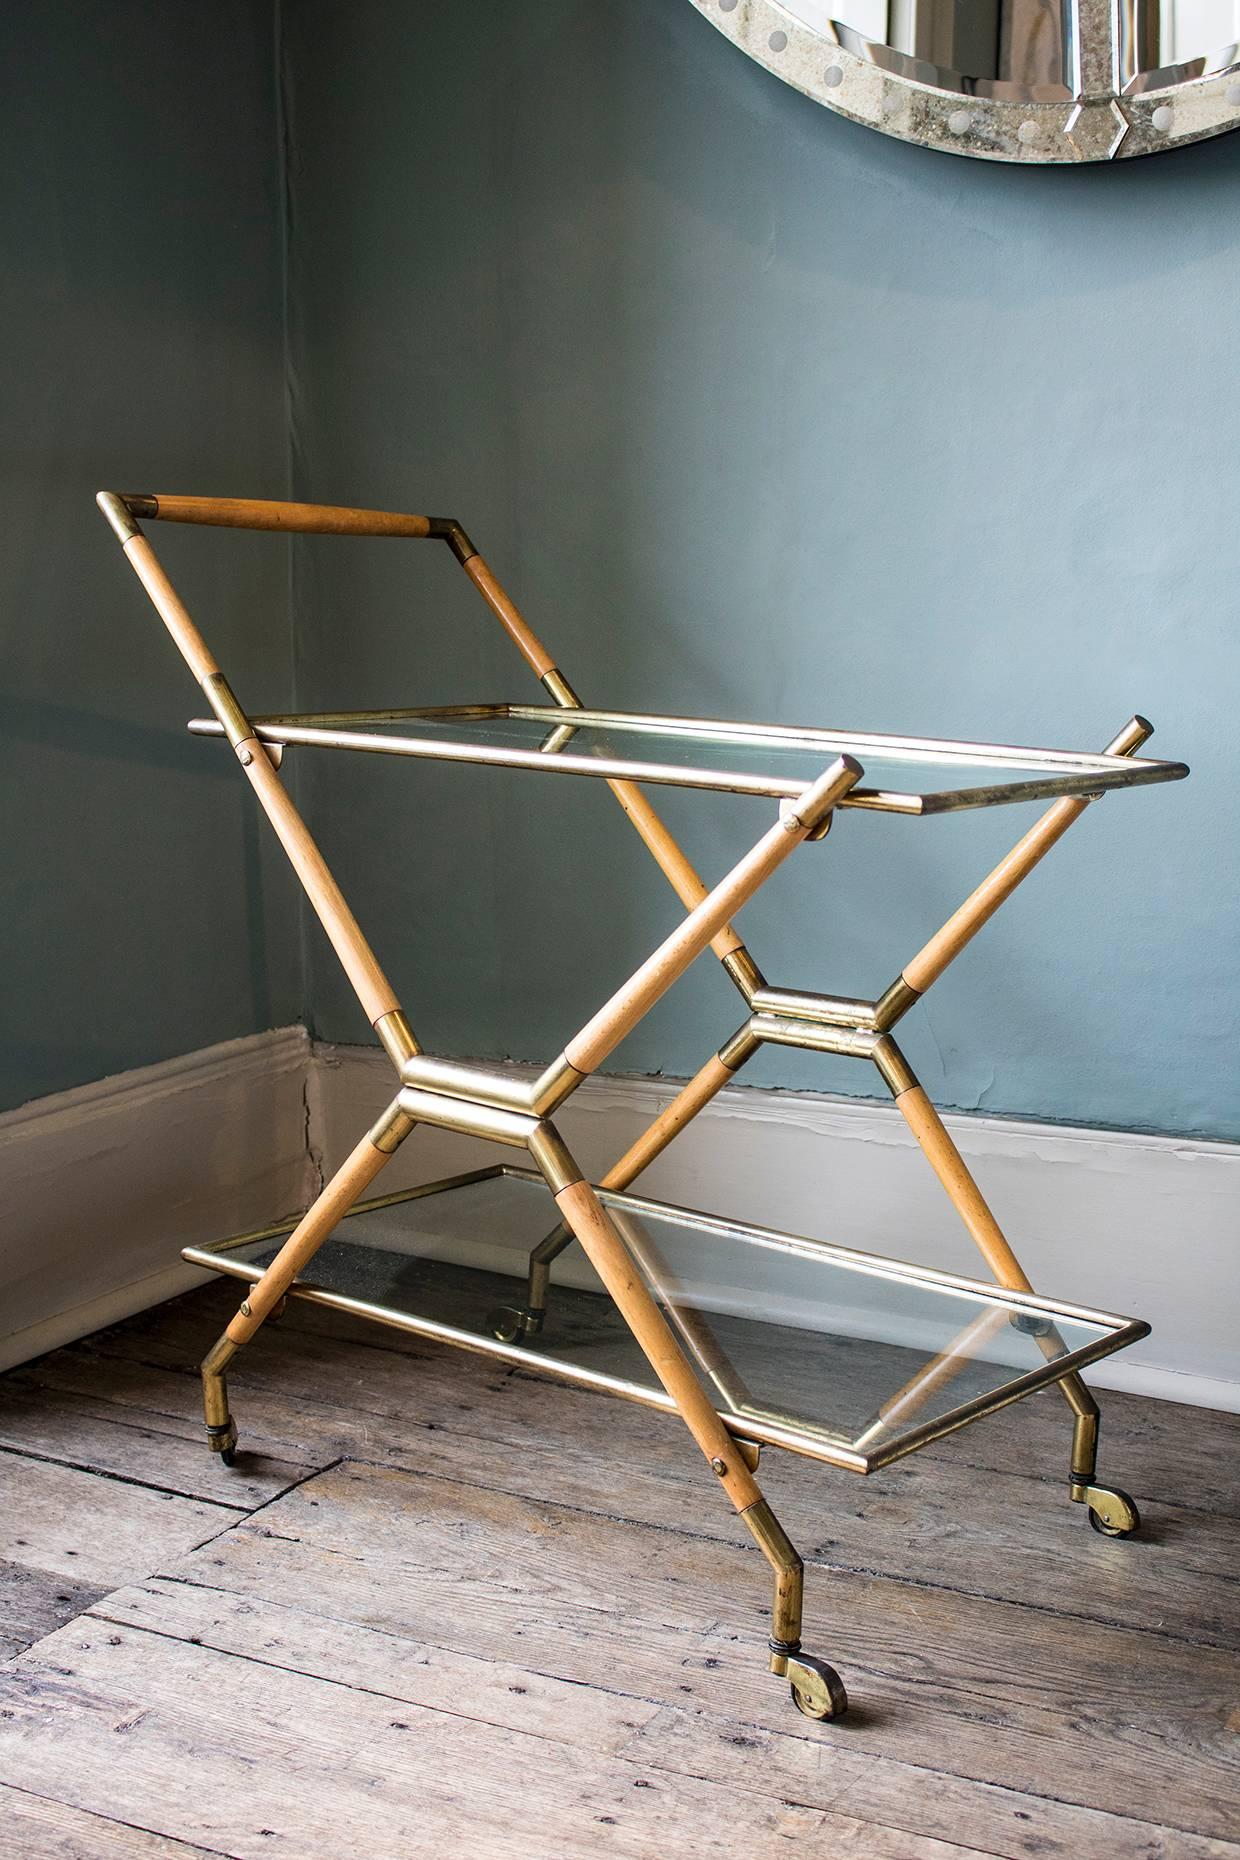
836	1354
902	774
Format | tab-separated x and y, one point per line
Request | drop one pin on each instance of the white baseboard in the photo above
1143	1225
104	1184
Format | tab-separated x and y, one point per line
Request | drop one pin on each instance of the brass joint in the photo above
550	1152
220	696
557	1083
897	1074
392	1128
119	514
397	1037
467	1115
793	821
894	1003
742	1046
776	1546
821	1010
559	690
739	967
447	529
1084	1449
476	1085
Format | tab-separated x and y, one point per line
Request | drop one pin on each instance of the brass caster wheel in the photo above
817	1689
223	1440
509	1325
1112	1513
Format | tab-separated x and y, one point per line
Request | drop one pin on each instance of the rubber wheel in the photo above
1116	1530
809	1707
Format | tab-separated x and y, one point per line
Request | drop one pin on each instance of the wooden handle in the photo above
518	630
251	513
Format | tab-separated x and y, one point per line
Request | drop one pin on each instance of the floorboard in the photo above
439	1604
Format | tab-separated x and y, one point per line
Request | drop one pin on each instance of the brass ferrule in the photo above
1136	731
549	1151
828	1010
116	509
742	1046
392	1128
214	1388
219	695
397	1037
739	966
898	1076
1084	1448
894	1003
559	690
447	529
557	1083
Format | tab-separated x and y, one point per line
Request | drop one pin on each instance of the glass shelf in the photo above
907	775
855	1360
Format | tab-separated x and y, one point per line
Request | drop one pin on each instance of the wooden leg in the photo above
1111	1511
346	1187
816	1687
513	1323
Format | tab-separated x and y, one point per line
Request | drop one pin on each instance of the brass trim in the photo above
553	1086
466	1115
397	1036
391	1129
559	690
829	1010
897	1074
849	1042
549	1151
223	701
741	969
116	509
780	1552
456	1078
447	529
742	1046
894	1003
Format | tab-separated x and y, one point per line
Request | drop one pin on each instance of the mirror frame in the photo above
1099	124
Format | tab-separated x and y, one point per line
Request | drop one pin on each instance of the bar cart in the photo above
753	1336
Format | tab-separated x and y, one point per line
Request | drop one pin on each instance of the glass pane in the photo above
776	755
838	1350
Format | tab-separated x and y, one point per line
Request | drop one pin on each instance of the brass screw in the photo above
245	1307
245	757
719	1466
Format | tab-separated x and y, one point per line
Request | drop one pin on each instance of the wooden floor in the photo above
442	1608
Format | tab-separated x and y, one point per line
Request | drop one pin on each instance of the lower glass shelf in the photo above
849	1358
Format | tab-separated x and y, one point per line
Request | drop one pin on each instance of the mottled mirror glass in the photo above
1007	80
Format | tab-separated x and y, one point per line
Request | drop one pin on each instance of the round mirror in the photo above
1007	80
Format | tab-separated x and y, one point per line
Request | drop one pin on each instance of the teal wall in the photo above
757	413
141	331
762	414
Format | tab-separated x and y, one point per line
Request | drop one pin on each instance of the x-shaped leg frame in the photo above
862	1029
487	1101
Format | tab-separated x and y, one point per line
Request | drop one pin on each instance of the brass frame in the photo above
485	1101
858	1454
